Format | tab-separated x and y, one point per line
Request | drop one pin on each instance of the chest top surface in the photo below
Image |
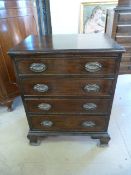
68	43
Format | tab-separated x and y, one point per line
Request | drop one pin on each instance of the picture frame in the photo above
93	16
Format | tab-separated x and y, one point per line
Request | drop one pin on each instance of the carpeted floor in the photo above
68	155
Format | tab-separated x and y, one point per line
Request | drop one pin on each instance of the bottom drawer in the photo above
69	123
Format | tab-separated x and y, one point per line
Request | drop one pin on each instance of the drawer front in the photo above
124	29
127	54
126	59
125	18
68	106
123	39
125	67
81	66
69	123
61	86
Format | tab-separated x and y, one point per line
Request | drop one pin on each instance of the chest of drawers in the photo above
67	84
119	28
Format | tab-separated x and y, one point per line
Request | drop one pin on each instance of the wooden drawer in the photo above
125	68
125	18
127	54
63	86
123	39
126	59
124	29
68	123
77	66
68	106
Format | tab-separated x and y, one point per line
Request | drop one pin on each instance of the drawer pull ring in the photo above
40	88
44	106
47	123
90	106
38	67
88	124
93	67
92	88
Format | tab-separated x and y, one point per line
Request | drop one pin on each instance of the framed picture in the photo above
93	16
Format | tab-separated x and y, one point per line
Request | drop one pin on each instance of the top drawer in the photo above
62	66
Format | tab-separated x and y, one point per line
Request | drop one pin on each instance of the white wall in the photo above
65	15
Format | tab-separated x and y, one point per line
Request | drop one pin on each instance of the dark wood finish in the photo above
123	40
124	66
77	67
65	106
119	28
126	59
104	139
34	140
67	86
124	30
57	44
68	106
69	123
16	22
125	18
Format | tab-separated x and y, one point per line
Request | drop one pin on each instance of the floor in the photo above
68	155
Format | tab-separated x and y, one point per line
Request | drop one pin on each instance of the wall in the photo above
65	15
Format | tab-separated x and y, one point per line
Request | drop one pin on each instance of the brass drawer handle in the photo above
88	124
47	123
93	66
90	106
44	106
40	88
92	88
38	67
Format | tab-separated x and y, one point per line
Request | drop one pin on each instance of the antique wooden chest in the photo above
67	84
119	28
